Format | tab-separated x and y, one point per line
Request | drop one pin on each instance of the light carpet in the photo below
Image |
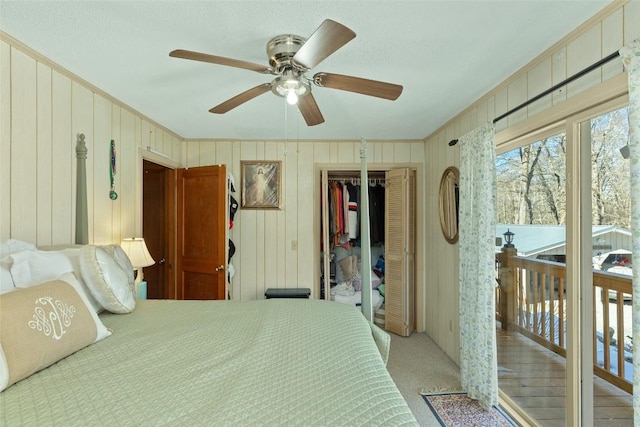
419	366
459	410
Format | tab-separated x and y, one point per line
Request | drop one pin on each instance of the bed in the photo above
78	348
164	362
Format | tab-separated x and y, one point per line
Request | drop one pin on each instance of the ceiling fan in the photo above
290	57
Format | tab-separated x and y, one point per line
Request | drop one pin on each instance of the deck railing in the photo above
531	299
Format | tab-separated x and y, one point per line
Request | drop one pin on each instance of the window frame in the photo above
566	116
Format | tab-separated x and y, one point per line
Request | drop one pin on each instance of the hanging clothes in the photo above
352	208
376	213
345	210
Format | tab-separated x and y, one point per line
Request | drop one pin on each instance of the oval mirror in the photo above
449	196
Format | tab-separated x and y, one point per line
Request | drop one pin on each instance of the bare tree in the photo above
532	178
609	171
529	156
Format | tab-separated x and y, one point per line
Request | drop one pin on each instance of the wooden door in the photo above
399	262
157	220
201	237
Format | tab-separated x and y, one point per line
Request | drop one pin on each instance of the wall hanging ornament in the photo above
112	171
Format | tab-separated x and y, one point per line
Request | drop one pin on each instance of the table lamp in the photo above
138	254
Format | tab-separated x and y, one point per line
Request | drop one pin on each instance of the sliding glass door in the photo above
564	269
606	265
531	334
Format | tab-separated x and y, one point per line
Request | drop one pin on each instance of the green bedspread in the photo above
276	362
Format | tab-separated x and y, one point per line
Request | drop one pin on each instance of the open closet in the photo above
392	208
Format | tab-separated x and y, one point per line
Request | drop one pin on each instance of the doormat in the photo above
459	410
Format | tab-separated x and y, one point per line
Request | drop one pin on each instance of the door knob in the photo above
162	261
220	268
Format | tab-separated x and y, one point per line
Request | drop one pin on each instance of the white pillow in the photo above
32	339
13	246
6	281
122	259
73	254
32	267
108	282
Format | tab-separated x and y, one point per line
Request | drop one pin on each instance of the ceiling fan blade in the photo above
220	60
358	85
237	100
326	39
309	109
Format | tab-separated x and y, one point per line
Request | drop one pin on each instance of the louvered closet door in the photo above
400	231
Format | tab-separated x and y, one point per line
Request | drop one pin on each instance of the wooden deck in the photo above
534	378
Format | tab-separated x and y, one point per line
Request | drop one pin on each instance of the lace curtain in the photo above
631	59
477	228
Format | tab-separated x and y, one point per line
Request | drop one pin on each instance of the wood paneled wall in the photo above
43	108
280	248
605	33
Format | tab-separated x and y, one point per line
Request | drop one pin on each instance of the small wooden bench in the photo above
287	293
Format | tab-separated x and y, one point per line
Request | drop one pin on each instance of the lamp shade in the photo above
137	251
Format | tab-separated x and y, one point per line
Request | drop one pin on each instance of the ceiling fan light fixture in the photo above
290	58
290	86
292	98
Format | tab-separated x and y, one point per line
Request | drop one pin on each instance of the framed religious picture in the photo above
261	184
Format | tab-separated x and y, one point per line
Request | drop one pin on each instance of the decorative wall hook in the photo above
112	171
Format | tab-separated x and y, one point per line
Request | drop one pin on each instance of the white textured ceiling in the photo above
446	54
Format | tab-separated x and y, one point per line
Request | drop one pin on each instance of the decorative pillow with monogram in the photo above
43	324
